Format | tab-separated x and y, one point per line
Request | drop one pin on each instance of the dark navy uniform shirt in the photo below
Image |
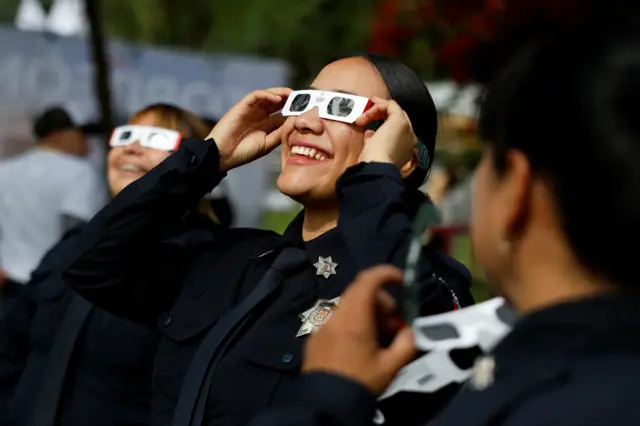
109	380
184	287
573	364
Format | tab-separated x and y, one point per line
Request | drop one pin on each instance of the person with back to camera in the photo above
64	362
44	192
235	321
546	244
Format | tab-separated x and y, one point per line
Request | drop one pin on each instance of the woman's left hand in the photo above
394	141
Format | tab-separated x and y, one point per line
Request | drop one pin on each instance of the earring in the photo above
504	247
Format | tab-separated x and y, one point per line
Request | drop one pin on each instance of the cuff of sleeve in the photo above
375	170
366	184
336	396
203	157
202	151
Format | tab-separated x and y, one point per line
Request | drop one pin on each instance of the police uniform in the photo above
64	362
189	293
573	364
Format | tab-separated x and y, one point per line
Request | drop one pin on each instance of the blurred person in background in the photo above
549	245
44	192
234	315
64	362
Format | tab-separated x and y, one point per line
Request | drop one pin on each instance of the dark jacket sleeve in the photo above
376	223
15	325
120	262
322	399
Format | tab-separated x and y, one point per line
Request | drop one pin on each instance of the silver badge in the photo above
325	266
483	370
317	316
378	418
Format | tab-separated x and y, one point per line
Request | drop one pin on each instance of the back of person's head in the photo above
569	105
52	120
174	118
56	128
410	92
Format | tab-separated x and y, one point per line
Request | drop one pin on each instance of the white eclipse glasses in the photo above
331	105
480	326
342	107
147	136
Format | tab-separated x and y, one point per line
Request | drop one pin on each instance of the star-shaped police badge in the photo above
325	266
317	316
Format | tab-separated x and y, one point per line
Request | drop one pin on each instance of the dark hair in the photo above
569	104
411	93
52	120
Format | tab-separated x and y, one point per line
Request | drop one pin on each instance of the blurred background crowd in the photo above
100	61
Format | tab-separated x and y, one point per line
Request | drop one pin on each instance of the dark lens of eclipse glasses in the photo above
300	102
340	107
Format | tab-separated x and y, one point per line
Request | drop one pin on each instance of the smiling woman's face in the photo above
311	181
127	163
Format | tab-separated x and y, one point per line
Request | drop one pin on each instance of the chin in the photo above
292	188
314	196
121	184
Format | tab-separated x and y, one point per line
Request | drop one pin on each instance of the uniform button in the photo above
287	358
167	321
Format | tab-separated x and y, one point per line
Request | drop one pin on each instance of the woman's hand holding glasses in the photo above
394	142
250	129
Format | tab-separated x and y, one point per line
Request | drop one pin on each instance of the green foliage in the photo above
307	33
467	159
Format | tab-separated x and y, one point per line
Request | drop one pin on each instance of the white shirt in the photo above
40	190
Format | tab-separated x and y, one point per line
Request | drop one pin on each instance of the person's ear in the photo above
408	168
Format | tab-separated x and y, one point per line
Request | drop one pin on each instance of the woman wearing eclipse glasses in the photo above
234	312
108	380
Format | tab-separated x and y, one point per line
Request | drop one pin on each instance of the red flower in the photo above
427	11
456	55
494	5
480	23
389	8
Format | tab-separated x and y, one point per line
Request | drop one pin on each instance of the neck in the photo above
61	145
317	222
561	279
50	146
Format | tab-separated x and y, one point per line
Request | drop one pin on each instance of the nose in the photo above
133	148
309	122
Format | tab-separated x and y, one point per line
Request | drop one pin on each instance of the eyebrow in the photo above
337	91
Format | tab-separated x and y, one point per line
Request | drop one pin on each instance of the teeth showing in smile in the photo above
308	152
131	168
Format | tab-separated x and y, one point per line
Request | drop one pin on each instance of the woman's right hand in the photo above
249	130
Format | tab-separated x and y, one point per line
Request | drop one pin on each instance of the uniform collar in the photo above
563	330
293	235
329	246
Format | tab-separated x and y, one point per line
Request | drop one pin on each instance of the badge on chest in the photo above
317	316
325	266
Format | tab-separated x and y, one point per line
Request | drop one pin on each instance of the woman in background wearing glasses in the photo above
64	362
234	315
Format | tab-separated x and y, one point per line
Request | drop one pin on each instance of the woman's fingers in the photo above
269	96
382	109
281	91
376	112
272	140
